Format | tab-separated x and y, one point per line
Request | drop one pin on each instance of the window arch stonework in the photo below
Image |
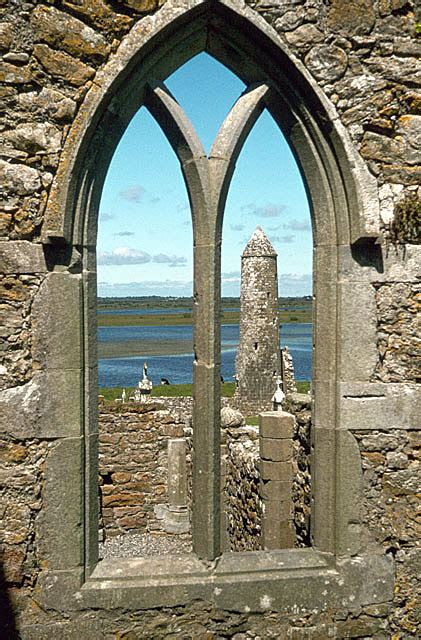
344	214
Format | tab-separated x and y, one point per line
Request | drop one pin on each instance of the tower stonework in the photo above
257	361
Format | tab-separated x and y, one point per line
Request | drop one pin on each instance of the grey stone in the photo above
327	62
19	179
59	528
22	257
57	323
46	407
304	36
231	418
34	138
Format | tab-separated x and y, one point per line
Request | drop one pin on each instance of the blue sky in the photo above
144	234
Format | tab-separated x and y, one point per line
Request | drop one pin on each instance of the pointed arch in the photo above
341	191
342	201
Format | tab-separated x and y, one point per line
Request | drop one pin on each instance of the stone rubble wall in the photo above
365	57
391	464
133	465
242	501
399	338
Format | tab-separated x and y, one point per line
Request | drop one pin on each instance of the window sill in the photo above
295	580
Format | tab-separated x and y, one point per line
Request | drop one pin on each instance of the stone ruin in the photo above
258	359
341	79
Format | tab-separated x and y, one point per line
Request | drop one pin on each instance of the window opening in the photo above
172	460
275	201
145	343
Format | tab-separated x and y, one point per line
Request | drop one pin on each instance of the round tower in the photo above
257	363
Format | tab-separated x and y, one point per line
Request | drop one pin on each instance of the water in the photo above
125	372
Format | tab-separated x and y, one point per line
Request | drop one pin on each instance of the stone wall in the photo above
243	505
399	340
133	464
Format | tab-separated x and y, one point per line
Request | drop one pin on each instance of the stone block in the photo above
22	257
357	348
278	535
275	489
61	65
56	321
62	31
323	488
279	510
276	424
46	407
280	471
59	526
379	406
349	495
276	449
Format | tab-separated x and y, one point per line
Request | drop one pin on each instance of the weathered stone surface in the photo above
19	179
305	35
16	57
398	341
98	13
374	96
62	31
326	62
49	103
142	6
257	362
61	65
35	138
12	74
6	36
405	147
231	418
356	17
290	20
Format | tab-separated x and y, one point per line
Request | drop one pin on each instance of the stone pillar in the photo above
177	474
257	363
276	475
225	540
175	515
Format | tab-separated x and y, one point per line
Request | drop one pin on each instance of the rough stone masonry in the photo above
350	74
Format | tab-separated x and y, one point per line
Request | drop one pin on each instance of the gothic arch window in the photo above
341	214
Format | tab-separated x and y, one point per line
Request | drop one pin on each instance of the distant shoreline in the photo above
147	348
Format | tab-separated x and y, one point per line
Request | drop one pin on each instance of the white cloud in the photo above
124	234
237	227
286	239
123	255
268	210
126	255
171	261
297	225
132	193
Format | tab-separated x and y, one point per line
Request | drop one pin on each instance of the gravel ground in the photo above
140	544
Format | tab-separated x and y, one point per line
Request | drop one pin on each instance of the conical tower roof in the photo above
259	245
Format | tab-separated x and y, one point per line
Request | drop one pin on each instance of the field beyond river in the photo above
160	331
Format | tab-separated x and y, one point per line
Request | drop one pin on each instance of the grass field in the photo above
186	318
178	390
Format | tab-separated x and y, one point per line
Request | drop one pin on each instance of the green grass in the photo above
169	391
303	386
180	390
186	318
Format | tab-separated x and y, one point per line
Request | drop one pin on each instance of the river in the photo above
125	372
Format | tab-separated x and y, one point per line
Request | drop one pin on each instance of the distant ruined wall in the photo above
364	56
133	464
